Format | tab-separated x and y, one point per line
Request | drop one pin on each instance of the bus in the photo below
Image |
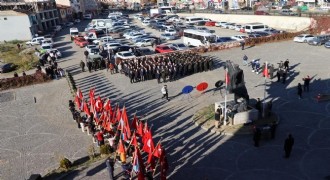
196	38
254	27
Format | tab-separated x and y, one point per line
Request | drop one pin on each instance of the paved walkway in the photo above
192	152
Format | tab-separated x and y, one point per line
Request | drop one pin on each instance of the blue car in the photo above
224	39
327	44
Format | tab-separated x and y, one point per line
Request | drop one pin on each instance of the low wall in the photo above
289	23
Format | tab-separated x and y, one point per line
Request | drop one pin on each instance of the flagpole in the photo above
264	101
153	174
225	113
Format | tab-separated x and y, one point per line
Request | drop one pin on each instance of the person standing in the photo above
82	65
288	144
110	167
278	75
286	64
306	83
242	44
299	91
245	60
165	92
271	71
99	137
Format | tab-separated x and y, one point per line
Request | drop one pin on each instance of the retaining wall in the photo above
289	23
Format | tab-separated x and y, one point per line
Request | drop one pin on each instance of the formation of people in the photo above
164	68
112	127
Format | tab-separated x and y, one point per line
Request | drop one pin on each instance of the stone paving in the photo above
192	152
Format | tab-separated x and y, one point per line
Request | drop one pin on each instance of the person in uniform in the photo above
82	65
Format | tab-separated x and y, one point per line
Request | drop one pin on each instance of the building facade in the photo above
16	26
42	15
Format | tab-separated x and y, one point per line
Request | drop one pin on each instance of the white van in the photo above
74	31
254	27
193	20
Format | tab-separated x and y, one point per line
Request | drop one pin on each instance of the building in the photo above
70	9
16	25
37	17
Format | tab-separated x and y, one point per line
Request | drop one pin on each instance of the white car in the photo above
136	16
145	23
57	52
170	31
35	41
238	27
144	43
133	35
89	47
220	24
125	55
239	37
103	40
303	38
179	46
94	51
47	41
46	46
111	45
230	26
168	26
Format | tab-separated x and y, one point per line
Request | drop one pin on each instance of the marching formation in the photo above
128	138
165	67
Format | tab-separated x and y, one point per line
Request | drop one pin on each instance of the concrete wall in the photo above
278	22
15	28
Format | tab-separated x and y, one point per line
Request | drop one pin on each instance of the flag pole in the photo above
264	102
225	113
153	174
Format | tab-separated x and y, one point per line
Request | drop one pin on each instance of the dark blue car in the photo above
7	67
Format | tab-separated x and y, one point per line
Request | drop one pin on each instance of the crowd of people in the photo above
163	67
111	126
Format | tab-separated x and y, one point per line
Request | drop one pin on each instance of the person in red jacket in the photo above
99	137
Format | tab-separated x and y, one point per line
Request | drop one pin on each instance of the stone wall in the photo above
288	23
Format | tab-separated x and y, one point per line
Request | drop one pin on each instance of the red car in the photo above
261	13
80	41
163	49
210	23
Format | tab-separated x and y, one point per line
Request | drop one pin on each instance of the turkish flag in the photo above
134	140
227	80
158	151
140	129
148	145
126	123
79	94
134	122
265	73
98	104
86	110
78	101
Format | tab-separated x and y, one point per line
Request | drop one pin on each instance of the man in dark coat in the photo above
89	66
110	167
306	83
288	144
82	65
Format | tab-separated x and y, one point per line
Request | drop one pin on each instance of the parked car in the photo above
7	67
239	37
218	11
204	29
262	33
94	51
46	46
90	46
69	24
77	20
144	43
319	40
125	55
238	27
288	12
57	52
220	24
210	23
170	31
57	28
121	48
160	28
303	38
261	13
224	39
144	52
35	41
163	49
111	45
246	8
80	41
227	25
179	46
254	35
47	41
167	37
327	44
134	35
272	31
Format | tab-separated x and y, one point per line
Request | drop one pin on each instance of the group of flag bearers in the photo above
133	136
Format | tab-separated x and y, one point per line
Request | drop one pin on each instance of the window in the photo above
258	27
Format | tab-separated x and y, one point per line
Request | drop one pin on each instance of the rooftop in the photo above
12	13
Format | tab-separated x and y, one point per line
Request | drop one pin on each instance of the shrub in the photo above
65	163
20	81
91	152
105	149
